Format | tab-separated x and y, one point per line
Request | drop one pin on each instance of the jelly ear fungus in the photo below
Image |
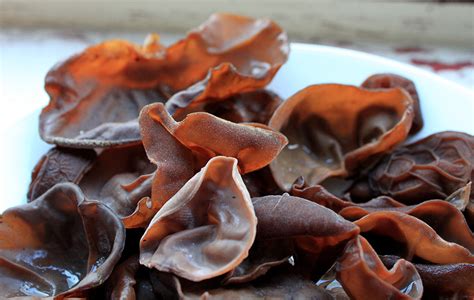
334	130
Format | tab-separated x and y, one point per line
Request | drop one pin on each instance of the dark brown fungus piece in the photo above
469	213
255	47
442	281
129	281
59	245
283	283
228	94
318	194
285	216
254	145
388	81
251	107
361	272
319	233
206	229
179	149
175	164
333	130
119	178
261	183
122	281
416	237
96	96
432	168
444	218
264	255
59	165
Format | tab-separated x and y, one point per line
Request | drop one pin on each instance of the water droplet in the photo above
293	146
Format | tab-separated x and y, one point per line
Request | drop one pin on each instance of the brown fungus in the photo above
250	107
432	168
283	283
59	165
261	183
129	281
264	255
175	163
96	96
444	218
453	281
254	145
333	130
206	229
118	177
59	245
228	94
415	238
180	149
388	81
361	272
285	216
318	194
317	232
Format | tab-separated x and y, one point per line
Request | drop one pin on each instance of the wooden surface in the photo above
403	22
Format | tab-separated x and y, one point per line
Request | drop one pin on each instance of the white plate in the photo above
445	106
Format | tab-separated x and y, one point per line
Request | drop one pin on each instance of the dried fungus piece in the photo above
416	237
261	183
255	47
469	214
175	163
206	229
129	281
59	165
388	81
59	245
119	178
442	281
432	168
228	94
121	283
250	107
318	194
444	218
96	96
285	216
179	149
333	130
254	145
284	283
361	272
264	255
317	232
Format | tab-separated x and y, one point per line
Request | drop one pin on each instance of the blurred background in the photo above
437	36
